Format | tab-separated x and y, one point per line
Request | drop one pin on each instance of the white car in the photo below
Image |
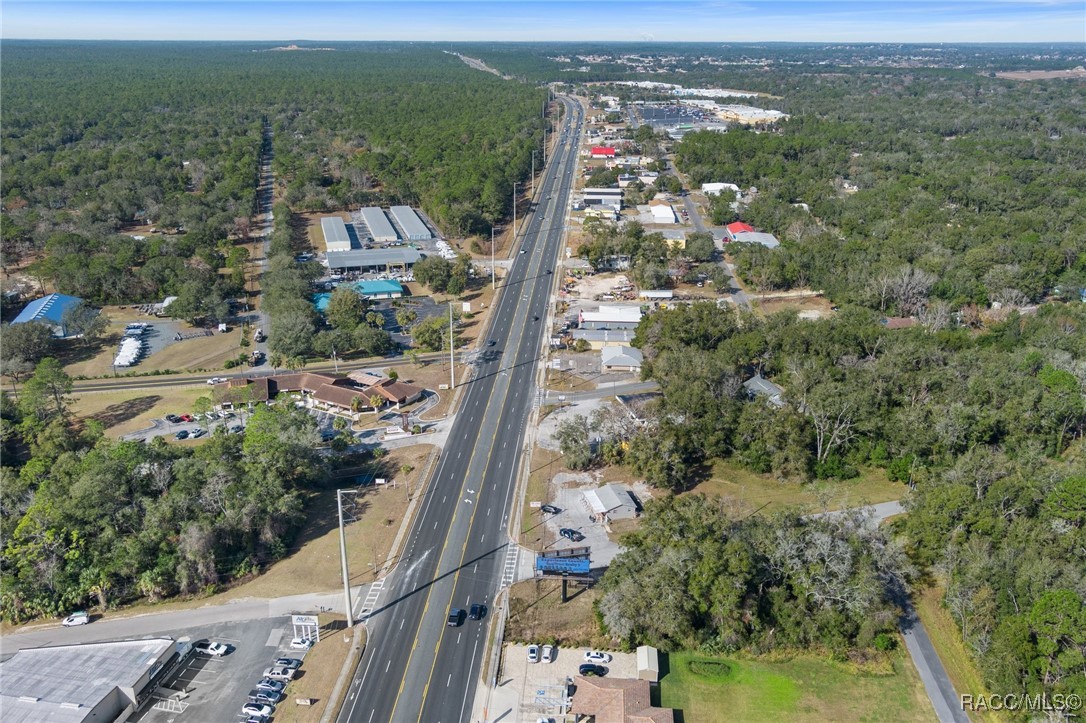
548	654
210	647
595	656
257	709
301	643
217	380
79	618
533	653
279	673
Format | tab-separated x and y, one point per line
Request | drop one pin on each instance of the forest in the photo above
100	137
86	520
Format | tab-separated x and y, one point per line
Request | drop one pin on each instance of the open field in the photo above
1078	73
545	463
807	305
801	689
323	663
537	615
753	490
123	412
947	640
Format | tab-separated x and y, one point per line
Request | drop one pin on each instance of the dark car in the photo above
490	342
535	318
477	611
456	616
237	429
591	669
550	509
173	418
183	434
571	535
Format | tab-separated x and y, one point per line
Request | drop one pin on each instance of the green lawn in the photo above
801	689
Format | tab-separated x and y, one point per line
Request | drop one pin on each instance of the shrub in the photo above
717	669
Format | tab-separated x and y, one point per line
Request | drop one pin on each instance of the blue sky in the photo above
528	20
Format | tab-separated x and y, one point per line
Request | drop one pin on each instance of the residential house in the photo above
616	700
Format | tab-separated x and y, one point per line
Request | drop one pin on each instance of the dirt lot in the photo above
817	307
588	287
538	615
1078	72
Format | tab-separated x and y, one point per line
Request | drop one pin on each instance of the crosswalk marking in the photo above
371	597
510	572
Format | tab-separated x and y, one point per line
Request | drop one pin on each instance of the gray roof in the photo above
757	237
335	231
371	257
410	222
621	356
759	385
615	336
377	223
65	683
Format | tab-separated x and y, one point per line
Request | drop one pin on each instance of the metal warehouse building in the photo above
412	225
336	237
377	222
373	259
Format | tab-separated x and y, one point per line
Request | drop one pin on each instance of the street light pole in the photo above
493	283
533	170
343	559
452	363
514	212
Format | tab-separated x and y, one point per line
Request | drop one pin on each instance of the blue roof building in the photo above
48	310
380	289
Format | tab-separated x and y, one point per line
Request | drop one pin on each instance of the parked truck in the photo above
259	336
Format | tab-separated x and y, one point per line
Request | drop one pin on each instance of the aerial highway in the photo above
416	667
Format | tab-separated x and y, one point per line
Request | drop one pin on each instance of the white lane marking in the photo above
388	664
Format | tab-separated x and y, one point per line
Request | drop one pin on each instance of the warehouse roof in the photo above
65	683
48	309
377	223
621	356
335	231
372	257
410	222
756	237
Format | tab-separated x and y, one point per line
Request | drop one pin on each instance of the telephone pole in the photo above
343	560
452	363
493	283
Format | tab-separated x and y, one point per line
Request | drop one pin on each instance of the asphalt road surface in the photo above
417	668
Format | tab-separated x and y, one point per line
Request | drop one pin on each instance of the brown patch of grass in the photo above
752	490
543	465
123	412
538	615
321	668
947	641
806	303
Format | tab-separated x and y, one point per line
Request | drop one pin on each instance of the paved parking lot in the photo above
539	686
218	687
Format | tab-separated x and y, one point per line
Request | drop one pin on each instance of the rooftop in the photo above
49	308
378	224
372	257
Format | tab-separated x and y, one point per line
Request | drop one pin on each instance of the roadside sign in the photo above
304	620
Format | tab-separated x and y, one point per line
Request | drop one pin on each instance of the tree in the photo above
84	321
573	437
345	309
45	394
430	334
22	346
292	332
699	246
434	272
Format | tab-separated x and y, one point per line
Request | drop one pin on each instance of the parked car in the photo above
570	534
595	656
197	433
237	429
456	616
210	647
173	418
477	611
262	695
533	653
548	654
183	434
277	672
550	509
257	709
269	684
292	663
186	417
301	643
76	618
590	669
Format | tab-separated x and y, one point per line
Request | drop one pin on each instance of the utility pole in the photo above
493	283
514	212
452	363
334	359
533	171
343	560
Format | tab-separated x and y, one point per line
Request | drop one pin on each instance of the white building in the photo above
379	227
336	237
715	189
662	212
413	227
611	317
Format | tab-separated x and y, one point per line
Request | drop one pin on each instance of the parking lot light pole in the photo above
343	560
452	362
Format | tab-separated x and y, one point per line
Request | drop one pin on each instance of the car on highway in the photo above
77	618
217	380
210	647
301	643
477	611
292	663
533	653
183	434
570	534
278	672
547	656
535	317
259	709
490	342
590	669
269	684
523	250
550	509
596	656
456	616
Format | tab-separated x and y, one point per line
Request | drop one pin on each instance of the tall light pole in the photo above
533	172
514	212
452	367
493	283
343	560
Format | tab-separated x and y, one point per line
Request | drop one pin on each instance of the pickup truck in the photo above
259	336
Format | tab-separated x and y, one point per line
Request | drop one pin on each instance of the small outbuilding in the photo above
648	664
759	386
613	501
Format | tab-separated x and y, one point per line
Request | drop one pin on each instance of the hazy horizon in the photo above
724	21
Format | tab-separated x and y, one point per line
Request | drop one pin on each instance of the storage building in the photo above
413	227
379	227
49	310
336	237
611	317
373	259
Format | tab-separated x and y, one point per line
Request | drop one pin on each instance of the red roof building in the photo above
737	228
603	152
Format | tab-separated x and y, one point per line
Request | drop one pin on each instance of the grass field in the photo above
537	614
323	663
123	412
800	689
947	640
544	465
754	490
